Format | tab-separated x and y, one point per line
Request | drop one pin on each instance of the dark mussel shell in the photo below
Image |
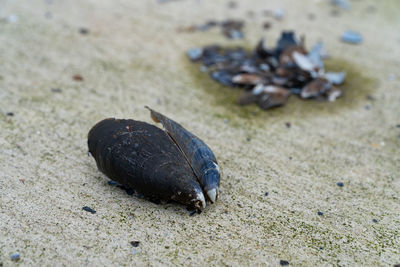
143	157
197	153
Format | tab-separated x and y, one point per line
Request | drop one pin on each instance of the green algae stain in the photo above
356	87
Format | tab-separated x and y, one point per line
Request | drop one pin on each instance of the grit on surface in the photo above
134	56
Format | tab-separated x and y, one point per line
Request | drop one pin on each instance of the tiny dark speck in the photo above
288	124
10	114
84	31
396	265
77	77
135	243
340	184
248	139
320	213
370	97
86	208
375	220
56	90
266	194
398	125
283	263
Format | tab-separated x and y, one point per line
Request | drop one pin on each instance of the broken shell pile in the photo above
270	76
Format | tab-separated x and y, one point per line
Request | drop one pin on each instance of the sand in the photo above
134	56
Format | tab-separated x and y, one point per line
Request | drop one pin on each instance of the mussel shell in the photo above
199	156
143	157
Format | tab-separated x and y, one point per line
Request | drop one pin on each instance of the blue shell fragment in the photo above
351	37
335	77
223	77
195	53
86	208
15	257
345	4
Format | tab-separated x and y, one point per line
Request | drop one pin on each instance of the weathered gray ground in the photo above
133	56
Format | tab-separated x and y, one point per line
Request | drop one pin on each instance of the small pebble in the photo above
10	114
266	194
86	208
374	220
135	243
340	184
283	263
15	257
320	213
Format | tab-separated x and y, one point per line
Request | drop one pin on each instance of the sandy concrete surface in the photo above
134	56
